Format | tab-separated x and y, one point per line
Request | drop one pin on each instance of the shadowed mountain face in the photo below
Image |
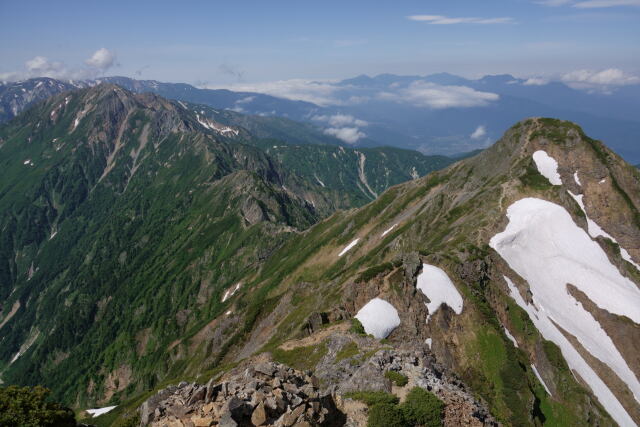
143	242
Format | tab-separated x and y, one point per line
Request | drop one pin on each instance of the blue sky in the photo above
224	43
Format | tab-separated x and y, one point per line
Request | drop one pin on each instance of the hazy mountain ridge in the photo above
396	115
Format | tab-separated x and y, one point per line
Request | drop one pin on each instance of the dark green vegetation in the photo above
301	358
145	205
358	175
356	327
397	378
30	407
157	217
420	408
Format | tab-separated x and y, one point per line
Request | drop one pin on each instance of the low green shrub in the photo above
347	351
385	415
399	379
29	407
422	408
356	327
371	398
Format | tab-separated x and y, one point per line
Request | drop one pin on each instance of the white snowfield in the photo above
385	232
213	126
547	166
229	292
576	178
436	285
544	246
535	371
348	247
379	318
595	230
511	338
99	411
549	331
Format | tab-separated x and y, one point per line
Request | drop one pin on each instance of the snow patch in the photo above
576	178
544	246
316	176
96	412
595	230
208	124
348	247
535	371
428	342
229	292
575	361
436	285
385	232
379	318
547	166
511	338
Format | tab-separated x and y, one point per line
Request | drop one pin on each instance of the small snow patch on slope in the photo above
545	247
436	285
96	412
385	232
511	338
547	166
576	178
535	371
229	292
379	318
348	247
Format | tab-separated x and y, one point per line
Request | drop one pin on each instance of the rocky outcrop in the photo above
262	392
266	393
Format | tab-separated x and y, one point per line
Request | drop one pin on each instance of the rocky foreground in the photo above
262	392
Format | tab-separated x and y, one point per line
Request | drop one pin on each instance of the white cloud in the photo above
589	4
444	20
40	66
479	133
431	95
593	4
535	81
350	135
102	59
339	120
554	3
599	80
317	92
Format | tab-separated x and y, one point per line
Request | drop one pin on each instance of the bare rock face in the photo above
264	394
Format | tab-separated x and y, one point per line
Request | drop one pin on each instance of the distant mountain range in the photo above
440	113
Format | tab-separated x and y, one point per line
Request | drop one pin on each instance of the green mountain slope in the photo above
143	244
447	220
357	174
124	220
